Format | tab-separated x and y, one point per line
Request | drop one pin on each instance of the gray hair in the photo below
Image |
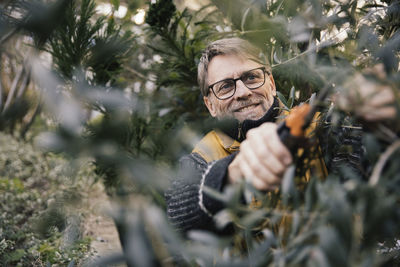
228	46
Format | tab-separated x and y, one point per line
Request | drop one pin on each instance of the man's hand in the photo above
368	99
262	159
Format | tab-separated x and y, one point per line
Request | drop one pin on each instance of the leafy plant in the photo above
348	218
179	40
31	227
99	47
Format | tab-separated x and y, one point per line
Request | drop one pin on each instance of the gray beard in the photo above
246	102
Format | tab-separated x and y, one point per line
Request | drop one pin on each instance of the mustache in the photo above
243	103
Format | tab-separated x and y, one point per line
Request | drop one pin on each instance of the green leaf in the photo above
18	184
16	255
372	147
115	3
246	13
282	99
291	97
45	248
288	186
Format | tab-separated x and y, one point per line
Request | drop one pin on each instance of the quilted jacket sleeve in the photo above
188	207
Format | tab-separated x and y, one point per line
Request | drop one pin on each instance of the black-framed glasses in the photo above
252	79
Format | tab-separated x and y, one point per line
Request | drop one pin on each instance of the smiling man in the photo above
235	84
247	96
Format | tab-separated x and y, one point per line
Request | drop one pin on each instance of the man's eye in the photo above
251	76
225	86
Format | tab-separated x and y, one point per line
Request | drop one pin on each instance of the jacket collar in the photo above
238	130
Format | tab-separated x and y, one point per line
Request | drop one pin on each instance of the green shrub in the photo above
35	191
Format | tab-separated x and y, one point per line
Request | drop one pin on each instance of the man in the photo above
234	84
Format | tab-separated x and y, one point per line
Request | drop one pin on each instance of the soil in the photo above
98	224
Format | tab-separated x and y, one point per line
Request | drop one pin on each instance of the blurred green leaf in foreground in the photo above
149	116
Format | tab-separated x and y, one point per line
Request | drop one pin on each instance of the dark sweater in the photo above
188	207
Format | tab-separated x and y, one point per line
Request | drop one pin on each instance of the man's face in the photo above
245	103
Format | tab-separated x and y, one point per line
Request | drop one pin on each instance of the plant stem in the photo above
374	179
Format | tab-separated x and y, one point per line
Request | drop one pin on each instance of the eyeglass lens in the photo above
251	79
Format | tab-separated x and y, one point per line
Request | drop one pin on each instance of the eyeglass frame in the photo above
210	87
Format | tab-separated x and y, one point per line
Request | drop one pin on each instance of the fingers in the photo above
368	99
383	113
257	173
239	169
262	159
261	155
378	106
383	97
234	172
378	70
272	140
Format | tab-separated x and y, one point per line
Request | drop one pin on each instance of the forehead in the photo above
229	66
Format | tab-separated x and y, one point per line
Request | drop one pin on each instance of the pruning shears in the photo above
291	131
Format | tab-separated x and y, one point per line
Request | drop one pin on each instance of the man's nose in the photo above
241	90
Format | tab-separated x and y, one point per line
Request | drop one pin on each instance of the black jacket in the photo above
188	207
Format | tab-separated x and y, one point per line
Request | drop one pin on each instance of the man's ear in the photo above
273	87
210	106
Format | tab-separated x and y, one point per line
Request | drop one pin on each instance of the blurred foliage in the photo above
35	192
100	46
19	103
311	45
24	26
179	41
150	113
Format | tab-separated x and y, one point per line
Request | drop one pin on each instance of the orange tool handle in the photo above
291	130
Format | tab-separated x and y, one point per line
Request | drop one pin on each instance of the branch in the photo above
8	35
24	84
27	126
310	50
13	88
137	73
374	179
326	43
